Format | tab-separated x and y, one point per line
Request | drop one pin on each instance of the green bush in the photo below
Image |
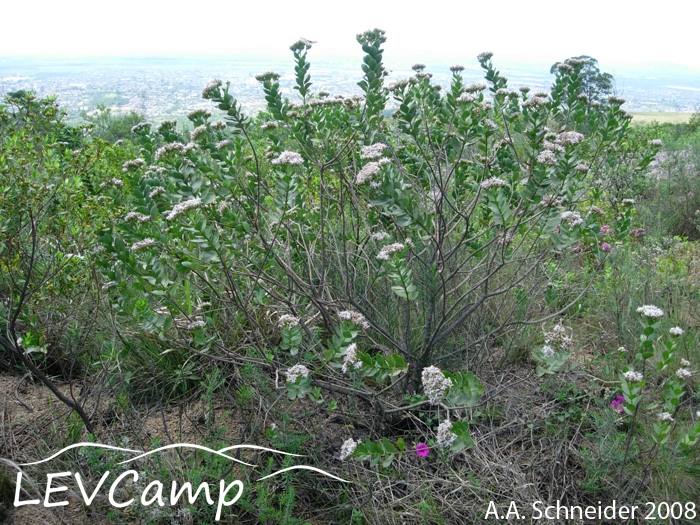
355	252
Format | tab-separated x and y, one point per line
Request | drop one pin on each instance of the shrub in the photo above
357	250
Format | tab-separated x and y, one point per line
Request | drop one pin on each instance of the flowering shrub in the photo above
660	397
352	244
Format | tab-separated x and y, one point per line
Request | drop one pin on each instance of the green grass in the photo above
661	118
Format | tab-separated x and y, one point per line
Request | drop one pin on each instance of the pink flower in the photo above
607	248
617	403
638	232
576	249
422	449
604	229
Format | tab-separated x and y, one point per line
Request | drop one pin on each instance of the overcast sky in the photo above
617	32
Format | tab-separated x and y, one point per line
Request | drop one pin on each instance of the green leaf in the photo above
465	390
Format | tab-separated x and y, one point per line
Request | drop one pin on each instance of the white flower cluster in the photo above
676	330
347	449
493	182
268	126
656	142
167	126
595	210
289	158
200	323
142	126
327	102
483	57
198	132
466	97
490	124
629	202
354	317
211	89
435	383
547	157
302	44
553	146
683	373
445	436
133	165
373	152
665	416
159	170
476	86
572	218
633	376
614	99
685	362
387	250
350	358
549	201
570	137
565	68
380	236
560	335
142	244
158	190
139	217
548	351
535	102
172	148
200	113
368	171
222	144
293	373
182	207
288	321
397	84
112	182
582	168
649	310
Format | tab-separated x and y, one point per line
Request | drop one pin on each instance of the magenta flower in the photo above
638	232
617	403
422	449
604	229
607	248
576	249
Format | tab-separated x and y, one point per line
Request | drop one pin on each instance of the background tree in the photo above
595	84
111	127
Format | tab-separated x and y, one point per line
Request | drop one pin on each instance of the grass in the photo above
661	118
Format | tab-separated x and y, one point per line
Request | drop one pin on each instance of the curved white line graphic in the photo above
175	445
76	445
303	467
199	447
257	447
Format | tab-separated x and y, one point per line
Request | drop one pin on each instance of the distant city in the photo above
166	87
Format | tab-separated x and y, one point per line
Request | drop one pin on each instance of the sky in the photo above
616	32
